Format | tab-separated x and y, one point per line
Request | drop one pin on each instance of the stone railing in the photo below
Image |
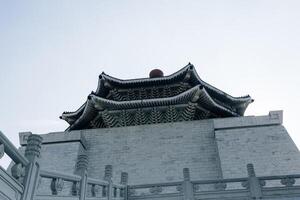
26	178
251	187
20	184
151	191
288	185
75	186
7	147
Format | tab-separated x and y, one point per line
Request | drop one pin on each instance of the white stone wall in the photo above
158	153
155	153
264	143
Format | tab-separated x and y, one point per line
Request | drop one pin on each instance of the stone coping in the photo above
56	137
274	118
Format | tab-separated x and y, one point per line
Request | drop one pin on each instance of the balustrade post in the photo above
108	177
187	186
124	181
32	170
1	150
93	190
81	169
56	186
254	184
115	191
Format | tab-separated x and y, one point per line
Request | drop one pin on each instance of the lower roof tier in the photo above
193	104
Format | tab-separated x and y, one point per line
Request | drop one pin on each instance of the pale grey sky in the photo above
51	53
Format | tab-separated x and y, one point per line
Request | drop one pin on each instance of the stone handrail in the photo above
155	185
97	182
118	186
7	147
64	176
230	180
277	177
26	168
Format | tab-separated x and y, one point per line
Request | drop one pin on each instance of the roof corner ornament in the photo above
187	76
197	95
107	85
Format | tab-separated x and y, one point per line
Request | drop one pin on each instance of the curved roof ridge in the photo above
127	82
208	97
147	102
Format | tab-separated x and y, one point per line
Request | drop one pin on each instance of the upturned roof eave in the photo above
85	116
72	115
210	88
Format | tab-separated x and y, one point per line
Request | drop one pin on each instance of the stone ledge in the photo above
274	118
56	137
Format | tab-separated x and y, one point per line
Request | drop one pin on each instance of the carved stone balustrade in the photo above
59	180
7	147
98	187
288	181
18	169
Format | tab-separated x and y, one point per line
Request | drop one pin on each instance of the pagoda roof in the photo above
207	96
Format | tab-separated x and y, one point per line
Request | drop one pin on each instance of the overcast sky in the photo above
51	53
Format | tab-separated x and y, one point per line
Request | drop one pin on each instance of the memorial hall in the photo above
164	137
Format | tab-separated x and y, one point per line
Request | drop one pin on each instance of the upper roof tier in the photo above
114	95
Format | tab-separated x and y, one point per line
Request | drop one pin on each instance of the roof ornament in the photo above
156	73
